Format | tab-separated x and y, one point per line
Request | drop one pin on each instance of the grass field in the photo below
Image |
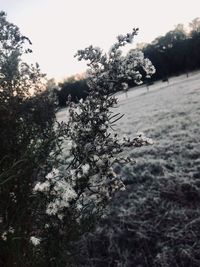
156	221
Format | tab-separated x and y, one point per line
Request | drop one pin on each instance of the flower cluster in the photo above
34	240
60	191
7	233
94	149
110	72
132	63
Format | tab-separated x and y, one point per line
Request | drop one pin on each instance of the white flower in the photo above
11	230
63	192
5	233
100	163
2	76
34	240
4	236
145	139
60	216
122	188
149	141
52	174
40	187
51	209
85	168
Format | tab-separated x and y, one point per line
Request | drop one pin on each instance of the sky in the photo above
58	28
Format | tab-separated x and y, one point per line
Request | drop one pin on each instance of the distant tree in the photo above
194	26
180	32
70	79
176	52
76	89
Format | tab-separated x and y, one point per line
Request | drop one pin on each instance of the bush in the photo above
27	117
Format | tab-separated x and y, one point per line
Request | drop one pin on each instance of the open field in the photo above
156	221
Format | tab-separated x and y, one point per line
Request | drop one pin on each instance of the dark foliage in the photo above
27	118
174	53
77	90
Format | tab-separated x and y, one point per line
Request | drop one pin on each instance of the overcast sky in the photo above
58	28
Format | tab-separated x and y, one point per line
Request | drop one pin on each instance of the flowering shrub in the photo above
77	190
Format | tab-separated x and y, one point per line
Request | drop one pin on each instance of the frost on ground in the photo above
156	221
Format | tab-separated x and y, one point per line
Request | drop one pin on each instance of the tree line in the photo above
174	53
